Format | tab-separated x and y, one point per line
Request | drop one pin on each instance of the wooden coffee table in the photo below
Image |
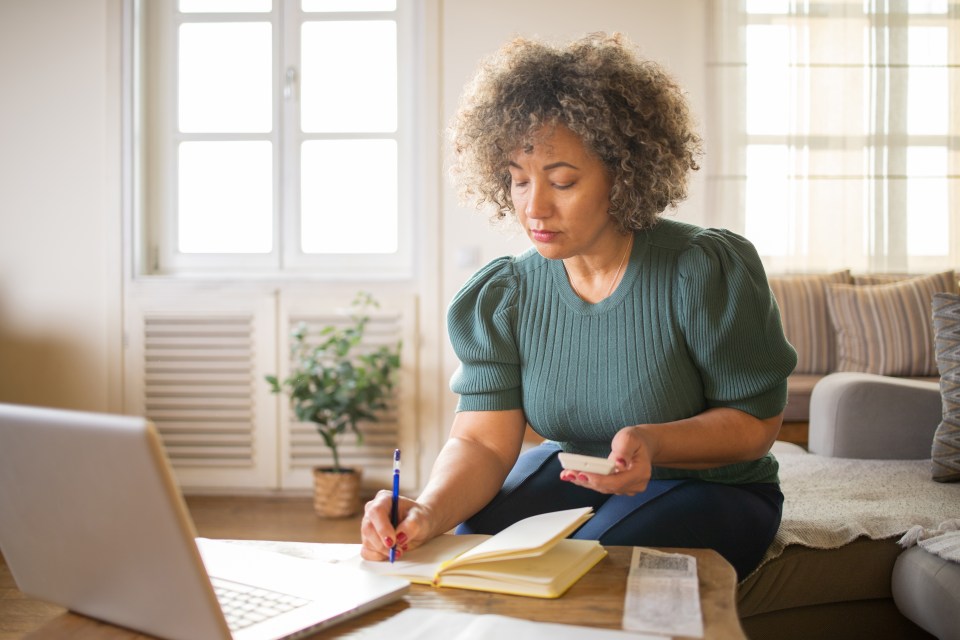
595	601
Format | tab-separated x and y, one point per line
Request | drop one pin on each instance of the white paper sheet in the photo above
321	551
416	624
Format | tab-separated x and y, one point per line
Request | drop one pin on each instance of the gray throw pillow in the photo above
946	440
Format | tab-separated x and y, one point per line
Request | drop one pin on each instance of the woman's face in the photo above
560	193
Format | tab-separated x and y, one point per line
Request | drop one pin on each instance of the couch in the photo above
865	481
855	322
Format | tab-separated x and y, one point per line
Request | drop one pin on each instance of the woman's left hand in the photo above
632	452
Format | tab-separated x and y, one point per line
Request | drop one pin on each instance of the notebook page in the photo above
424	561
528	536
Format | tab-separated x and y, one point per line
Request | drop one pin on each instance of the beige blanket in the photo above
829	502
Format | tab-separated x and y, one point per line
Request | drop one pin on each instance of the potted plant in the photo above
336	383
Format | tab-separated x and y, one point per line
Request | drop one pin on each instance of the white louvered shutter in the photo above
196	370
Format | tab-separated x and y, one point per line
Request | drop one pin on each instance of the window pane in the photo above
348	198
767	217
349	74
927	221
928	6
768	80
927	101
927	98
927	46
225	197
225	6
349	5
767	6
225	81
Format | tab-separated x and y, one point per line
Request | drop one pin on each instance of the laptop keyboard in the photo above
244	605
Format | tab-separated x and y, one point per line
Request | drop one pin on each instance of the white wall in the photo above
672	32
59	204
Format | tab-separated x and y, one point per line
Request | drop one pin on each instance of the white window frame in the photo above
155	178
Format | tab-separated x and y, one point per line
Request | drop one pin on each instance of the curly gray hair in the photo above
625	109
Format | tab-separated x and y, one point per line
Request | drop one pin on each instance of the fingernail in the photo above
401	538
621	462
582	477
388	542
405	547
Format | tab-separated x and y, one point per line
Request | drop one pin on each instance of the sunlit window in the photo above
359	96
225	200
839	132
225	6
928	81
225	77
341	213
768	79
767	180
274	135
927	201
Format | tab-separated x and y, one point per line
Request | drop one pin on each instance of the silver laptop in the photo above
91	519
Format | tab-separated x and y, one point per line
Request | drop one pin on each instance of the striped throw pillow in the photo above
886	329
803	311
881	278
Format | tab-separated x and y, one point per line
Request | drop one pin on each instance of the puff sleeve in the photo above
481	322
731	324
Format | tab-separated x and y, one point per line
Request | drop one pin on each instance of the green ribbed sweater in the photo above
692	325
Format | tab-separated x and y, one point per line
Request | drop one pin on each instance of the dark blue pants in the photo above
737	521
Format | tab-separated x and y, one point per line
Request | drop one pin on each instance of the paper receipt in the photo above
663	594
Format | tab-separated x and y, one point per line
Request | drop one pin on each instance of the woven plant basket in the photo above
336	494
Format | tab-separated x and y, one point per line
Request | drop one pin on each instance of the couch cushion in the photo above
852	620
802	576
926	588
806	324
946	439
799	388
885	328
862	415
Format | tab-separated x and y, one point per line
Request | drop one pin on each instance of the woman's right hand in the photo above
471	467
378	535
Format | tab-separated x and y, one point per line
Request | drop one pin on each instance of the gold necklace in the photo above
616	275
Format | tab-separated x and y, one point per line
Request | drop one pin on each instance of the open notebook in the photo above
532	557
92	520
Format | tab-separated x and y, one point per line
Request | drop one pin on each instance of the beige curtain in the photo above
833	132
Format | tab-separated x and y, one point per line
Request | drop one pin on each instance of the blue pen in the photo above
395	502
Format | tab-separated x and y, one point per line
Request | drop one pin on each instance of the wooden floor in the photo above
246	518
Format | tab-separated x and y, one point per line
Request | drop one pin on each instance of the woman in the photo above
652	343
